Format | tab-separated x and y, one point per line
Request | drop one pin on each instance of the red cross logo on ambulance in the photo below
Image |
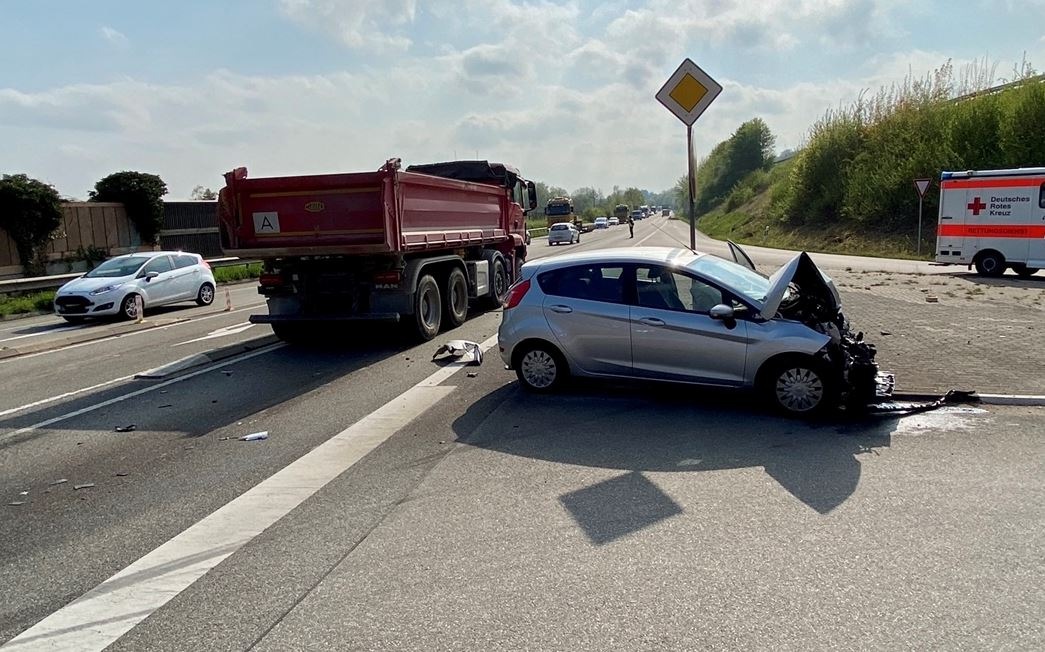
976	206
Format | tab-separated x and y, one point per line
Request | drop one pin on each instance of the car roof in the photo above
674	256
153	254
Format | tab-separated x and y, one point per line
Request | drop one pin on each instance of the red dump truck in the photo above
415	246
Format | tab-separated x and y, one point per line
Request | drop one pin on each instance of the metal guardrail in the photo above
58	280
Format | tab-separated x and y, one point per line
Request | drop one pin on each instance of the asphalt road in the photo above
453	511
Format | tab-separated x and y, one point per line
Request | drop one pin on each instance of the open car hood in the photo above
811	283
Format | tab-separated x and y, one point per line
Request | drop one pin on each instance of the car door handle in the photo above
652	321
560	308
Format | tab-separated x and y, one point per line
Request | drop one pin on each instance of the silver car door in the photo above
740	256
587	314
674	338
162	288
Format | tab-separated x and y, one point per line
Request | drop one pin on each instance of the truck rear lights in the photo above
516	294
271	280
391	277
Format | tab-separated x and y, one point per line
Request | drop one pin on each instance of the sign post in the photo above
921	185
687	93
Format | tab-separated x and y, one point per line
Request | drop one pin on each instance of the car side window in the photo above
591	282
1041	196
160	264
184	260
666	289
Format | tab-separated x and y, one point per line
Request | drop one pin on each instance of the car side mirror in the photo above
724	314
150	275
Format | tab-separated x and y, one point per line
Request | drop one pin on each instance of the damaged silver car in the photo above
668	314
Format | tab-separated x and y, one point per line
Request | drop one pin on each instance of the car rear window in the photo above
559	227
185	260
590	282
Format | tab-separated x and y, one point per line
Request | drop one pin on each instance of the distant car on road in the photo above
561	232
602	222
637	215
667	314
158	277
614	221
665	212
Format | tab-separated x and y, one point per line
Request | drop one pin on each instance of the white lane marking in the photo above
221	332
190	320
139	392
60	329
52	399
114	607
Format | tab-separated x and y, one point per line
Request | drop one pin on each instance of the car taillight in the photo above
271	280
204	263
391	277
516	293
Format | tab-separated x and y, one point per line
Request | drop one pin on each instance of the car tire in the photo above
428	309
205	295
991	264
128	307
74	320
798	387
455	298
540	368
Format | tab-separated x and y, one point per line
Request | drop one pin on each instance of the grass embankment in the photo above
36	302
851	188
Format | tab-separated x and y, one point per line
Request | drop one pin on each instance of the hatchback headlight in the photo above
107	288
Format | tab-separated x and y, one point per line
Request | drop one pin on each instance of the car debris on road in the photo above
461	351
257	436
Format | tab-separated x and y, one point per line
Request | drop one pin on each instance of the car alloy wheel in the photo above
205	296
129	307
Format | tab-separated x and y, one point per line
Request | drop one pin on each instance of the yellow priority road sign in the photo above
688	92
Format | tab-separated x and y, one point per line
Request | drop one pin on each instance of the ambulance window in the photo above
1041	196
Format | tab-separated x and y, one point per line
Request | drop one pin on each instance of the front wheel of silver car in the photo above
798	388
540	368
129	307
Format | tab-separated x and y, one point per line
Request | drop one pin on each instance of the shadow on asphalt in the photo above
219	397
654	428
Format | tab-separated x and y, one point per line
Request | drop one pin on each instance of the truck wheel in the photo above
990	263
290	333
498	284
455	298
428	310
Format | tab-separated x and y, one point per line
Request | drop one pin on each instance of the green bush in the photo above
26	302
141	195
233	273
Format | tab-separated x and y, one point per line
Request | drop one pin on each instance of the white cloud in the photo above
357	23
114	37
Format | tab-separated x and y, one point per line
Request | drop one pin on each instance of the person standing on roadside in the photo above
631	227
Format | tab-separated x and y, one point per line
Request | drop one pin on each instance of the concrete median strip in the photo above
1024	400
87	335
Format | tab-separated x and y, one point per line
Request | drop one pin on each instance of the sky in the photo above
564	91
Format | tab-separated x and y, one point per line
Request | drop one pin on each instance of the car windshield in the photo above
117	267
751	285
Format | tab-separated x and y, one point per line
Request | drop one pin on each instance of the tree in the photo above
199	192
30	211
140	193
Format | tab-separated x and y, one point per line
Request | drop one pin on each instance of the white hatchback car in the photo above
158	277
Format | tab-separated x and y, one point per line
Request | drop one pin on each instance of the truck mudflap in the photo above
285	319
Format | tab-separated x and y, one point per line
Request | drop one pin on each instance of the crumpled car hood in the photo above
803	272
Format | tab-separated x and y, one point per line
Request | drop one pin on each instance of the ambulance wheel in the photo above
1023	271
990	263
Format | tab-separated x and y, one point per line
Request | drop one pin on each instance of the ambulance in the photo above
993	219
